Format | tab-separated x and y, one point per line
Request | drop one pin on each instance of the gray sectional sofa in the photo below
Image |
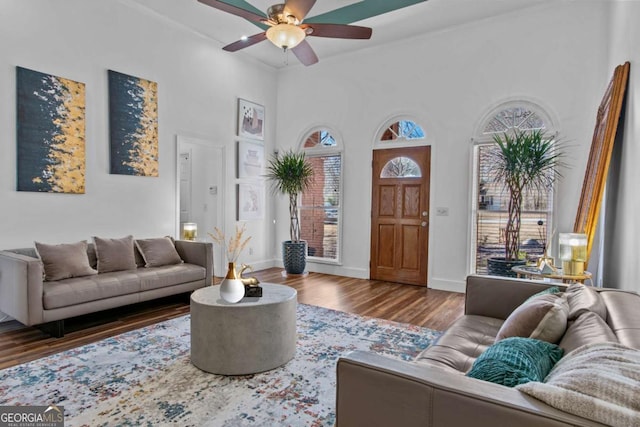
433	390
27	296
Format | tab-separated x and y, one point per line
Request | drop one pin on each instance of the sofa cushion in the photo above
589	328
461	344
543	318
65	260
623	315
78	290
169	275
516	360
157	252
115	254
583	298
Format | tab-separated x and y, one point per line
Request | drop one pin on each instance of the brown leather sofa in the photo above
25	296
432	390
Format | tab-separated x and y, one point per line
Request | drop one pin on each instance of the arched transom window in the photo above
402	130
321	205
490	198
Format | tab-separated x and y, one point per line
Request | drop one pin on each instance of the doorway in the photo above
400	215
200	190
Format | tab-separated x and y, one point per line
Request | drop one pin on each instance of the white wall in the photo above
622	244
198	86
448	81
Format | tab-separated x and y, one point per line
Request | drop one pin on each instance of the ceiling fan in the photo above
286	28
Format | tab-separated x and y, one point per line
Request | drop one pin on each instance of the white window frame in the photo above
479	139
321	151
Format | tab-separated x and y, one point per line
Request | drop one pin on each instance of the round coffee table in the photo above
251	336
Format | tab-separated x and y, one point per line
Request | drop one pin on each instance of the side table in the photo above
251	336
533	272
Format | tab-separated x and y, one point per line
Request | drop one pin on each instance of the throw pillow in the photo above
589	328
583	298
65	260
514	361
551	290
157	252
115	254
543	318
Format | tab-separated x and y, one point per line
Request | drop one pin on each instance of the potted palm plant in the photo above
524	162
291	174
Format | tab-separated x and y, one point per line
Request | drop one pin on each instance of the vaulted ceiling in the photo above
391	20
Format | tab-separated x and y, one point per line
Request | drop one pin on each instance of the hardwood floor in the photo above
401	303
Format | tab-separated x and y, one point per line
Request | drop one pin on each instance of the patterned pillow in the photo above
157	252
514	361
115	254
65	260
543	318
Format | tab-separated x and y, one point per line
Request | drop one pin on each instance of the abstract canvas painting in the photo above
50	133
250	120
133	125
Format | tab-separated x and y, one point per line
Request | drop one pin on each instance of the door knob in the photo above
425	213
423	223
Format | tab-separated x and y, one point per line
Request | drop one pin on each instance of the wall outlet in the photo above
442	211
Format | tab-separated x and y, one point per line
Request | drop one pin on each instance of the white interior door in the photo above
200	189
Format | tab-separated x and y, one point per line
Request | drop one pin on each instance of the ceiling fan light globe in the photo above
285	36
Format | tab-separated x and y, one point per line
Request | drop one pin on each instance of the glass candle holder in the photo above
189	231
573	253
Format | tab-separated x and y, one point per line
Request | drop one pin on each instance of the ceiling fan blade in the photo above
246	14
305	53
339	31
249	41
299	8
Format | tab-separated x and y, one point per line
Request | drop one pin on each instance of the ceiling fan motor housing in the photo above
278	14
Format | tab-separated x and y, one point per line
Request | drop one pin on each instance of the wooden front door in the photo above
400	215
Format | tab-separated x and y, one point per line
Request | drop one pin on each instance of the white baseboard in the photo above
338	270
447	285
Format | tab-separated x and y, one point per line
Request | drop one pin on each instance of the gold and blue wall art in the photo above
50	133
133	125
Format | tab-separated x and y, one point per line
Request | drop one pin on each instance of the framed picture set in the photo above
251	201
250	120
250	159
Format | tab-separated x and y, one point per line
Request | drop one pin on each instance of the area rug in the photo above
144	377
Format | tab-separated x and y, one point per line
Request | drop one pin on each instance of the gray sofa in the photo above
433	390
28	298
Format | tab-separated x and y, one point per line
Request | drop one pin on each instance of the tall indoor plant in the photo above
291	174
524	162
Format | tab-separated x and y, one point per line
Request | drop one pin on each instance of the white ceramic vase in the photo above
231	287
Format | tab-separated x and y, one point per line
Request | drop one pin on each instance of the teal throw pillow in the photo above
516	360
551	290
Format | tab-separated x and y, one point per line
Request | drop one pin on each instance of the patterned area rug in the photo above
144	377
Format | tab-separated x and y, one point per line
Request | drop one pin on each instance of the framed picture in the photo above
250	201
51	133
250	159
133	125
250	120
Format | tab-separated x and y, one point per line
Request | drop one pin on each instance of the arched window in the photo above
402	130
321	205
490	198
401	167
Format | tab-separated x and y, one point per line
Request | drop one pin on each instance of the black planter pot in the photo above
294	256
501	267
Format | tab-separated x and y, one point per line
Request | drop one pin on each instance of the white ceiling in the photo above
431	15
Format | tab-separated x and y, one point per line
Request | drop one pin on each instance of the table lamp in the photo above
189	230
573	253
